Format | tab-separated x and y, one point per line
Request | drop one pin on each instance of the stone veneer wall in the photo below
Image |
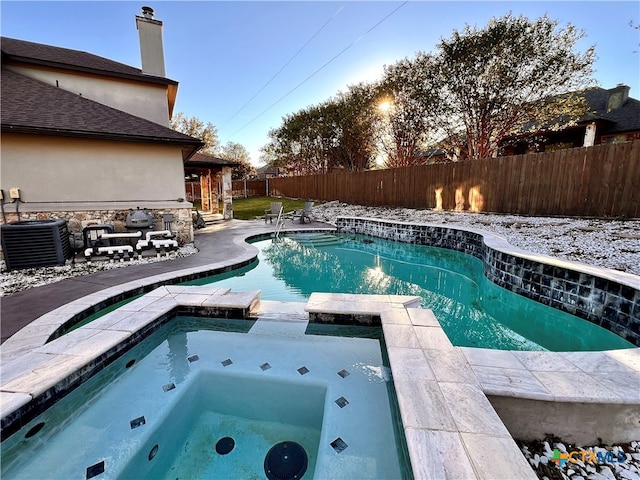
602	301
182	225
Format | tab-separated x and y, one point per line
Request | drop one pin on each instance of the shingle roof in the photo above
32	106
267	169
207	161
58	57
624	118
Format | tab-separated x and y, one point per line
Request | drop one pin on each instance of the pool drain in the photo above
225	445
285	461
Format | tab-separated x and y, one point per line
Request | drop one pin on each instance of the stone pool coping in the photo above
427	369
605	297
450	415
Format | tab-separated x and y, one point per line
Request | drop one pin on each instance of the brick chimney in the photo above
618	96
151	49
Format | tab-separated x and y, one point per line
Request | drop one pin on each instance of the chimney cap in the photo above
147	12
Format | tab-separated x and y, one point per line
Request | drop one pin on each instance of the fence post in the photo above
245	188
267	187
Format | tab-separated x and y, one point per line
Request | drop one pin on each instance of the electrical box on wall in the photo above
14	193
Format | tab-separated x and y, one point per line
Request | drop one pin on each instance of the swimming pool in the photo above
428	422
203	398
472	310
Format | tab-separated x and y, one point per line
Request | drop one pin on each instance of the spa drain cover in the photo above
225	445
285	461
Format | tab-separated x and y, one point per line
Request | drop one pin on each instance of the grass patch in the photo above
252	207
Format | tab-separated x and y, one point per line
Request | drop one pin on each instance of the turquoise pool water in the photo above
161	410
472	310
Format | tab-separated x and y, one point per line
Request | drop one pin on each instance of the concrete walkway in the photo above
217	243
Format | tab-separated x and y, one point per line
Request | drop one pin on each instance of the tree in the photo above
195	127
407	100
236	152
297	144
338	133
354	115
495	81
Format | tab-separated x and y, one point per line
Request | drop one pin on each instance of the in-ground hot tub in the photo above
206	398
223	425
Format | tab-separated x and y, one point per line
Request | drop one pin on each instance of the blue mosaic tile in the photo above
95	470
168	386
193	358
137	422
339	445
584	295
342	402
227	362
265	366
343	373
303	370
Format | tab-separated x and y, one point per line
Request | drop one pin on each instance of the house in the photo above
208	179
267	172
86	139
613	117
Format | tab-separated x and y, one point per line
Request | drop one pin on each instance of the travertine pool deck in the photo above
442	390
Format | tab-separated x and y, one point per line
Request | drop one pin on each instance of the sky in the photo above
244	65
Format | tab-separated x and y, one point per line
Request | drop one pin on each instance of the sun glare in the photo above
385	106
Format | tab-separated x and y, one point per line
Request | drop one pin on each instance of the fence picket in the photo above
603	180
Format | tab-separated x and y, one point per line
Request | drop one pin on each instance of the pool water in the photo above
162	409
472	310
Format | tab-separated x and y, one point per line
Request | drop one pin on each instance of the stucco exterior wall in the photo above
57	173
147	101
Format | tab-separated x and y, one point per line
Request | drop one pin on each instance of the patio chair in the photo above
305	214
273	212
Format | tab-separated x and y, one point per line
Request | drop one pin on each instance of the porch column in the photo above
227	194
590	135
205	191
215	179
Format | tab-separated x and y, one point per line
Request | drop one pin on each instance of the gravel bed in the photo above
600	462
611	244
18	280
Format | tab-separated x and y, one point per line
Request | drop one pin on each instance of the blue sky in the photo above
299	53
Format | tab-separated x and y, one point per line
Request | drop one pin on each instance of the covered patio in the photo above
208	179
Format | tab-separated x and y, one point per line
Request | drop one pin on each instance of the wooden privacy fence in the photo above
249	188
599	181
